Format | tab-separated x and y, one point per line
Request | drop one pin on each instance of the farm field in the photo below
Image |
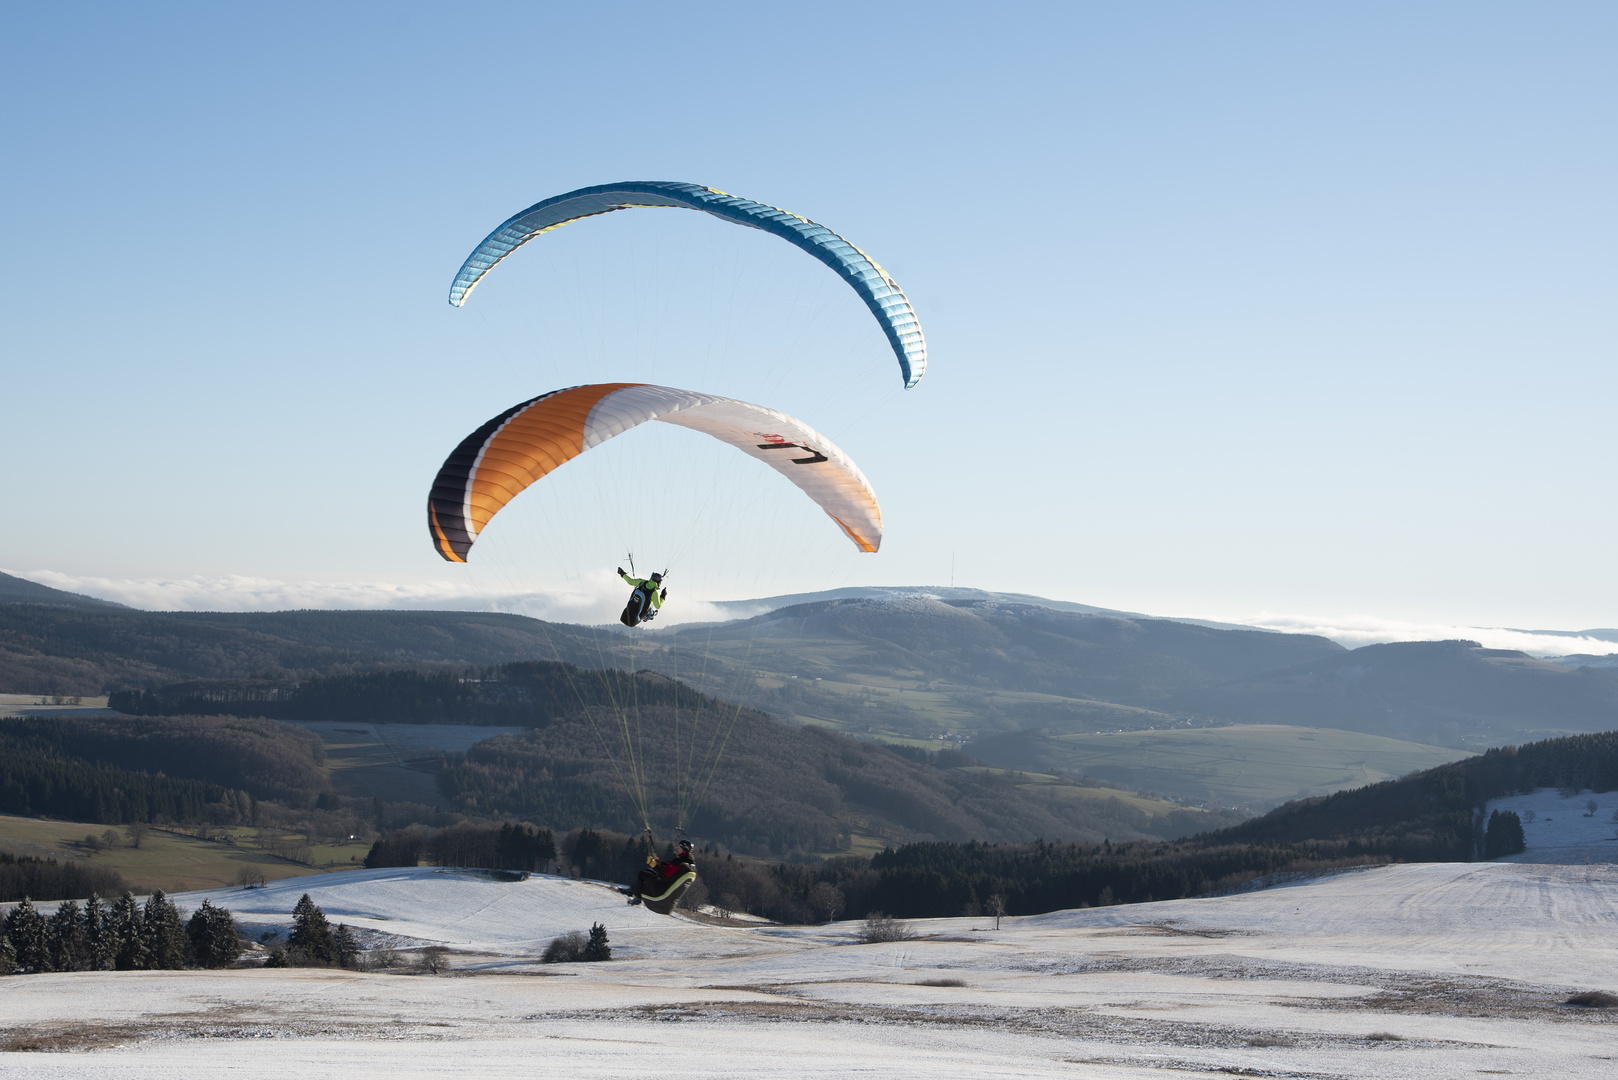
1252	765
174	861
384	761
50	705
1063	788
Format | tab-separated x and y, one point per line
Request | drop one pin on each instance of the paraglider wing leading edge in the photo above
879	291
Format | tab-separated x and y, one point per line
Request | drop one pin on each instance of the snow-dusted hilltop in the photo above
1434	970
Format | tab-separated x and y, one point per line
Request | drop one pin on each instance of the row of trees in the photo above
509	846
576	947
122	936
29	875
938	880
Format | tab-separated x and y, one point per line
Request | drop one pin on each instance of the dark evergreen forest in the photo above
25	875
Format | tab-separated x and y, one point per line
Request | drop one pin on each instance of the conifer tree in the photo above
98	942
8	957
163	933
65	938
1504	835
25	933
311	939
211	937
597	948
128	943
348	950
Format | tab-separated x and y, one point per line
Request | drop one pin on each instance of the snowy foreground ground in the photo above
1440	970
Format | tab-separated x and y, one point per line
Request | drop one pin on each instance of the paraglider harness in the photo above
661	882
641	607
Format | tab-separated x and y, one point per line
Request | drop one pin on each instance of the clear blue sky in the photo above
1232	308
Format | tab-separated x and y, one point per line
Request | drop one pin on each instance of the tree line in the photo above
27	875
122	936
508	846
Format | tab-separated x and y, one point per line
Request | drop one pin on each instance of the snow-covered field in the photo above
1438	970
1561	827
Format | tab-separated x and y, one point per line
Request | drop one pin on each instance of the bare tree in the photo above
435	959
137	831
1590	808
879	928
110	838
380	960
997	908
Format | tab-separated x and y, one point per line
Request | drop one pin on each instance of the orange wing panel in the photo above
531	444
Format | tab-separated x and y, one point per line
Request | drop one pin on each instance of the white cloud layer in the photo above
1354	631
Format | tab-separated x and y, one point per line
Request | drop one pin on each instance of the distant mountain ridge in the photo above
744	609
897	666
16	590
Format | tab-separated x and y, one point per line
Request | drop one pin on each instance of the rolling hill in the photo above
1453	693
16	590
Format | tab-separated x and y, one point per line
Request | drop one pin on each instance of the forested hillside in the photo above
53	649
600	747
266	759
778	789
521	694
1433	815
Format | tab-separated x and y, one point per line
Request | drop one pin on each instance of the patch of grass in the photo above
1269	1040
1384	1036
940	982
858	844
1047	784
165	860
1593	999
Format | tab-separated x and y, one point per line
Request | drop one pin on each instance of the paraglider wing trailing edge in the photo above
879	291
496	462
